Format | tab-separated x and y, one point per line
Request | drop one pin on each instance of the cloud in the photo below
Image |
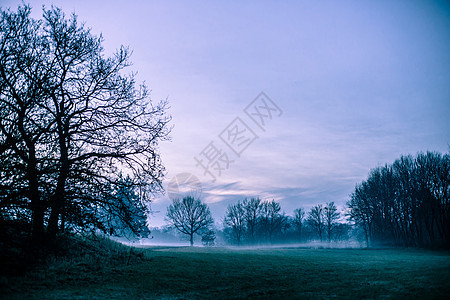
359	85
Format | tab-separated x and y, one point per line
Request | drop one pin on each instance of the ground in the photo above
224	273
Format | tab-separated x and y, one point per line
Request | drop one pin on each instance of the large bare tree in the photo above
189	216
71	120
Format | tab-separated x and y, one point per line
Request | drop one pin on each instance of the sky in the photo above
347	86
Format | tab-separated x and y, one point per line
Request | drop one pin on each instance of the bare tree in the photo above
316	220
70	121
189	216
298	219
235	219
271	219
361	211
330	219
23	126
252	209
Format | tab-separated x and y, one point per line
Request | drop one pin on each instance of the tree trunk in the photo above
57	205
192	239
37	206
59	196
58	199
37	227
366	235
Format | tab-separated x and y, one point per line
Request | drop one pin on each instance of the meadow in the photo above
232	273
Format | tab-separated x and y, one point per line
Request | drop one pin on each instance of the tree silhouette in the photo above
330	219
406	203
297	220
189	216
235	219
70	120
252	209
316	220
271	219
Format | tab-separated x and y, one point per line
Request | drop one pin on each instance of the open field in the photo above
220	273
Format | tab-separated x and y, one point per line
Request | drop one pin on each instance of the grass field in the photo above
220	273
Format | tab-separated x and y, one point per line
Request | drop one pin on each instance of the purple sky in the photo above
359	83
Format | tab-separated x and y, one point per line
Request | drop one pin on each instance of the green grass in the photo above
219	273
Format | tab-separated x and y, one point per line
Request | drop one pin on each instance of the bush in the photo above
208	238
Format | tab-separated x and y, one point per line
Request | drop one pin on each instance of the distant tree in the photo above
189	216
342	231
70	119
236	221
331	217
208	238
252	209
316	220
271	219
297	220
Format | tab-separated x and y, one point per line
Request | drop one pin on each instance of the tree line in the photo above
254	221
405	203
